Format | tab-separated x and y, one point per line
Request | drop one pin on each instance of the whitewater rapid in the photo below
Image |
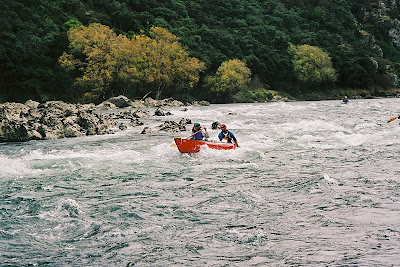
313	183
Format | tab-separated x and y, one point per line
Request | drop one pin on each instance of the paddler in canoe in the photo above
227	135
198	133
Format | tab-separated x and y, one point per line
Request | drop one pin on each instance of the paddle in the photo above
392	119
193	134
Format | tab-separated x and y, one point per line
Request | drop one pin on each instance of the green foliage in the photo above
106	61
312	65
73	23
230	77
258	95
33	35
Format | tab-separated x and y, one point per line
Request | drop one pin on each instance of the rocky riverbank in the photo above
56	119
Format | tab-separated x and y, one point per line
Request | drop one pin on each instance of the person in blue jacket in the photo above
345	99
198	133
227	135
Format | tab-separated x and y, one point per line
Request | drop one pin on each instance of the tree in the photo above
167	63
230	77
312	65
105	59
96	52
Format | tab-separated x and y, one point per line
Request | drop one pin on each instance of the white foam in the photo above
14	167
127	156
329	179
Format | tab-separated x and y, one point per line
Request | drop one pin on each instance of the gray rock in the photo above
184	121
106	105
149	102
122	127
135	122
146	130
72	131
141	114
170	102
50	120
201	103
171	126
159	112
14	132
120	101
32	104
137	104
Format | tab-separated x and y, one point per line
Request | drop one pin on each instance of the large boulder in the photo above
106	105
150	102
135	122
171	126
201	103
137	104
161	112
32	104
146	130
58	108
120	101
131	114
184	121
170	102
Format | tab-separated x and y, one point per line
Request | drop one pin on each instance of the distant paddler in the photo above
345	100
394	118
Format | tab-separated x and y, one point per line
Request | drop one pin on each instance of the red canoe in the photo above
193	146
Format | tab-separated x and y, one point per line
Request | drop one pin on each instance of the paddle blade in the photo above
392	119
172	145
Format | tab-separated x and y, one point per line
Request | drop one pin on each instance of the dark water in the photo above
314	183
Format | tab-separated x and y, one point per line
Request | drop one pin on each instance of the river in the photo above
313	183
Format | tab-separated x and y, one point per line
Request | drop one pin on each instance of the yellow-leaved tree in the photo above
103	59
97	52
312	65
230	77
168	64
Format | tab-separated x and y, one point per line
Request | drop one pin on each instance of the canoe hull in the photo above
194	146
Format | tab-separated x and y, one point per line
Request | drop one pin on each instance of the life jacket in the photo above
197	136
227	136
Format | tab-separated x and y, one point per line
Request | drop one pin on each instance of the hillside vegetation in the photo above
197	49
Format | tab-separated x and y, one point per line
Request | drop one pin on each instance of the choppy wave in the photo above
313	183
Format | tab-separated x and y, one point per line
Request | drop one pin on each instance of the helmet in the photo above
223	126
196	124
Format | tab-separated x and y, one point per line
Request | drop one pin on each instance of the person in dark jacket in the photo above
227	135
198	133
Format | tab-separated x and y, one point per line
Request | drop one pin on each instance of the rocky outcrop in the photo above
146	130
172	126
106	106
162	112
394	33
120	101
279	98
124	102
370	41
201	103
131	114
50	120
57	119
